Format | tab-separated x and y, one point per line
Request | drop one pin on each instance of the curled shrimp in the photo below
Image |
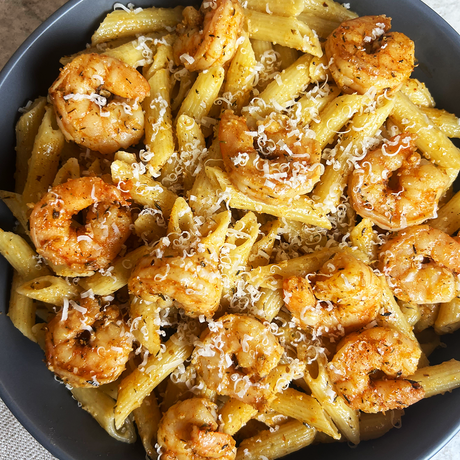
235	356
209	37
188	431
394	187
420	265
86	344
364	55
383	349
193	281
97	102
348	291
291	167
79	250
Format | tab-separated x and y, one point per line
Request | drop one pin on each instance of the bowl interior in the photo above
44	406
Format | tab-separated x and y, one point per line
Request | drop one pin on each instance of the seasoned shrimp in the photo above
209	37
97	102
363	55
420	265
383	349
235	356
194	281
348	291
81	250
86	344
291	167
188	431
395	187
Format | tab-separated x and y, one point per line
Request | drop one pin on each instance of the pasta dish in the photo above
236	228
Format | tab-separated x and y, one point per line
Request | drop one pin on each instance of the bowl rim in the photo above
15	407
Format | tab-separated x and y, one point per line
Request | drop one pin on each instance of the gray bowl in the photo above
45	407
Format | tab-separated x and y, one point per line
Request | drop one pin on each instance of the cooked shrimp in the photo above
348	291
194	281
188	431
78	251
85	344
235	356
420	265
395	187
291	167
383	349
363	55
209	37
97	102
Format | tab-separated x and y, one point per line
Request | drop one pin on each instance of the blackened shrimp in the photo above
345	293
361	354
193	281
97	102
188	431
421	264
364	55
235	357
87	344
395	187
208	37
79	250
291	165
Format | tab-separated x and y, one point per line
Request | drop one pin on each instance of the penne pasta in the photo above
448	317
234	415
240	76
438	379
120	23
335	177
448	219
287	8
288	32
53	290
418	93
147	418
271	276
432	142
101	407
335	115
290	437
372	426
203	93
322	26
143	189
328	9
21	310
159	138
192	147
108	281
287	56
17	207
26	130
44	159
392	314
21	256
145	319
305	409
139	384
447	122
302	209
69	170
345	418
283	90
